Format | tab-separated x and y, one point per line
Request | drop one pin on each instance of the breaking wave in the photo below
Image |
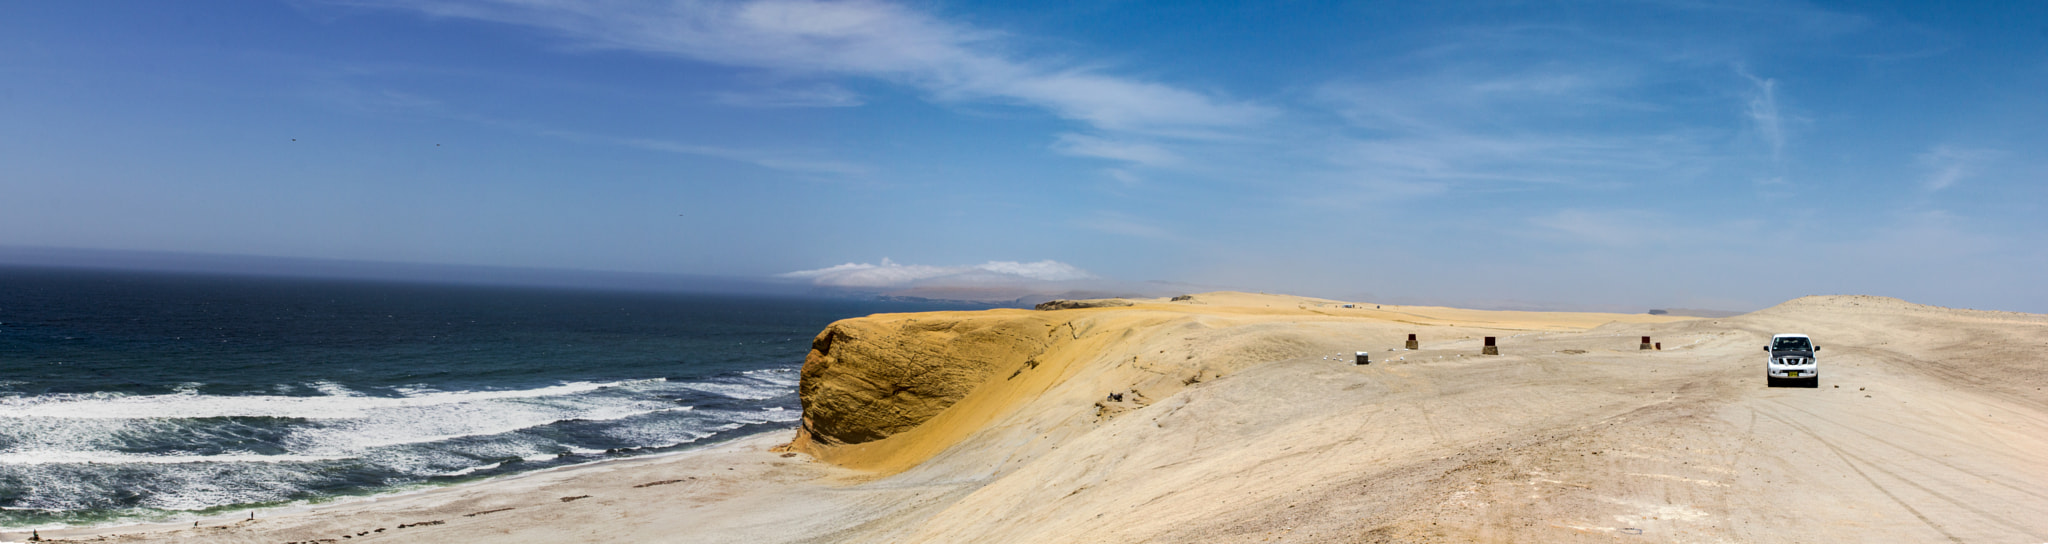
166	456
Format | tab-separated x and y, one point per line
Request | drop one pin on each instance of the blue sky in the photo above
1645	154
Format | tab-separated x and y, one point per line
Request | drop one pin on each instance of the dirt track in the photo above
1929	425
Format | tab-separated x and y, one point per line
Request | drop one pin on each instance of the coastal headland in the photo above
1236	417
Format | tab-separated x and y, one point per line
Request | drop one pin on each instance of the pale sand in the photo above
1251	424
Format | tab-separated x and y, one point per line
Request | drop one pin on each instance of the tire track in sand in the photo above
1925	457
1852	460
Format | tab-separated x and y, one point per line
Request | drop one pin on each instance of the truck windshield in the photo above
1789	343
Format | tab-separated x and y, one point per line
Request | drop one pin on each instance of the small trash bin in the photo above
1364	358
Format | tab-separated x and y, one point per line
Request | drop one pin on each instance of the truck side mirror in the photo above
1816	348
1767	348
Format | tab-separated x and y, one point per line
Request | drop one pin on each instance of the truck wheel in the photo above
1771	382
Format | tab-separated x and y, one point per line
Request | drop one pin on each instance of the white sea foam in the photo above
343	426
742	390
61	445
110	458
471	470
788	373
618	414
748	417
434	423
338	403
333	389
661	436
177	486
82	426
417	390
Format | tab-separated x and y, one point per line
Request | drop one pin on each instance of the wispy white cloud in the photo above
787	161
1125	176
1455	122
1135	152
816	96
1798	18
354	94
951	61
891	274
1946	165
1473	125
1763	114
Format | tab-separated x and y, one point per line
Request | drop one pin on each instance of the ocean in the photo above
151	397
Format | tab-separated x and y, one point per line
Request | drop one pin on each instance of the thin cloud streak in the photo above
1763	112
1454	129
1139	153
953	62
819	96
770	159
360	97
1947	165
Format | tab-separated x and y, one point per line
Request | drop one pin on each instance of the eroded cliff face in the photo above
869	378
886	392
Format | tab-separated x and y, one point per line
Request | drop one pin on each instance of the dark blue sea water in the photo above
133	396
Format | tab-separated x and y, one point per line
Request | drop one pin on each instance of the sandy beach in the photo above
1233	417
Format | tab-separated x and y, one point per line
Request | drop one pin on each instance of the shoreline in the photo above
418	496
1240	418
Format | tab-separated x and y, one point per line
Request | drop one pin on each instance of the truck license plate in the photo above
1795	373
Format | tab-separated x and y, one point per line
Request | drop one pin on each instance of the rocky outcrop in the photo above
885	392
868	378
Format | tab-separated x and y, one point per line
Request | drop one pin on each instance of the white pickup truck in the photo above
1791	361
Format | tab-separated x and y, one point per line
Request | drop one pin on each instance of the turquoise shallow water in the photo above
138	397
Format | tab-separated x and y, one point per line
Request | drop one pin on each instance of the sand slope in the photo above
1240	418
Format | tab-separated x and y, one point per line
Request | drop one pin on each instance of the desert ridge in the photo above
886	392
1236	417
1240	417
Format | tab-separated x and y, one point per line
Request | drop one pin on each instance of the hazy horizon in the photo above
1578	154
159	262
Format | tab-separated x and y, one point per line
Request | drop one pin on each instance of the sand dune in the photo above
1240	418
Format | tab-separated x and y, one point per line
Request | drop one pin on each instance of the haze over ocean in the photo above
156	396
